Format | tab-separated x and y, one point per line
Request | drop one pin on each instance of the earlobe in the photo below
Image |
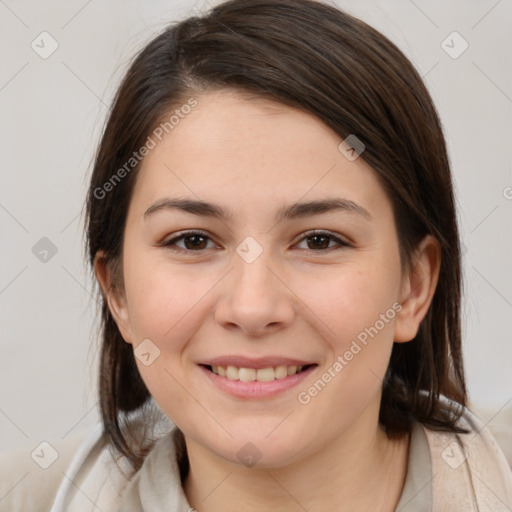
418	289
114	297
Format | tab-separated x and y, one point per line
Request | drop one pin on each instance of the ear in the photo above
114	296
418	289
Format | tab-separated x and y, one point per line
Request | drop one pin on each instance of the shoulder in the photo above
96	475
469	470
31	475
63	476
499	421
60	476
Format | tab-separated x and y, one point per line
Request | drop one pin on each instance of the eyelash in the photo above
309	234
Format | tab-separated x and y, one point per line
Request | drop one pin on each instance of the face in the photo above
271	285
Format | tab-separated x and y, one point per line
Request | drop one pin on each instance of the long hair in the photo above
315	57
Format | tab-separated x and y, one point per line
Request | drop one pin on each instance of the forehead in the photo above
247	132
237	147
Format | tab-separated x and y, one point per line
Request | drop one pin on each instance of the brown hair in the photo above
315	57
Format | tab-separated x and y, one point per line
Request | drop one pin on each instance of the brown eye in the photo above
321	240
193	241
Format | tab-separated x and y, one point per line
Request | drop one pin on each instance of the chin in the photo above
259	450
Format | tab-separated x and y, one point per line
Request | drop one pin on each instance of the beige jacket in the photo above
446	472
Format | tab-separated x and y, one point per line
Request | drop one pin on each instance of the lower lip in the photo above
256	389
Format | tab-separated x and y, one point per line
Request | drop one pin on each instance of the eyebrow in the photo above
287	212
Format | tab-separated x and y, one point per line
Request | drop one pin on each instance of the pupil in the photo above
319	241
322	245
194	244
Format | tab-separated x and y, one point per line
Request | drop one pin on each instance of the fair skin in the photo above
301	298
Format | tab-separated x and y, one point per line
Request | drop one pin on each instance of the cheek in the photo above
162	301
355	300
165	306
360	309
359	306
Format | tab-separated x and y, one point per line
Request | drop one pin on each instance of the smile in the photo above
256	374
255	380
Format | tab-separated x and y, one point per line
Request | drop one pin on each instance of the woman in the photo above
271	222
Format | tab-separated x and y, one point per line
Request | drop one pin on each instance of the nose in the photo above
255	298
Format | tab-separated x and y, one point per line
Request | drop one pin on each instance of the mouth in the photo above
267	374
256	379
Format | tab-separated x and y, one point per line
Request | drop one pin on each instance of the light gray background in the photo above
52	111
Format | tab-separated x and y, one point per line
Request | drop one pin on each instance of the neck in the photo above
361	470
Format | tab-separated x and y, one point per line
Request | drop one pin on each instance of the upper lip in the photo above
261	362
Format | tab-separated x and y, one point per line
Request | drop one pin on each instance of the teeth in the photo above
281	372
292	370
232	373
252	374
265	374
247	374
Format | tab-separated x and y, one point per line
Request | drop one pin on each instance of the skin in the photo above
253	155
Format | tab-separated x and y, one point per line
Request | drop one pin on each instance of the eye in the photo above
197	241
320	240
193	241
